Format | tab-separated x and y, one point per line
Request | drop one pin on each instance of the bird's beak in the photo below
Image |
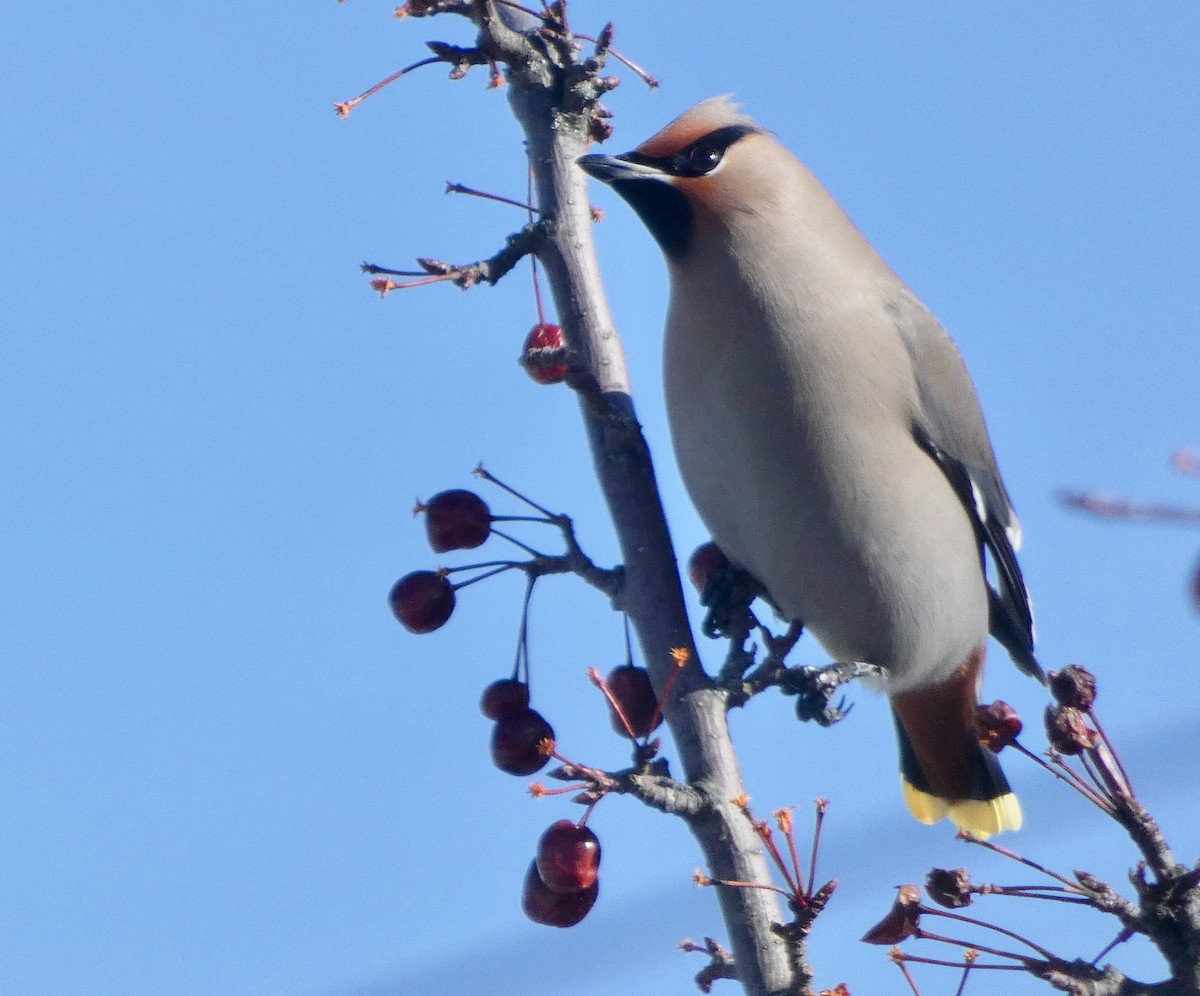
612	169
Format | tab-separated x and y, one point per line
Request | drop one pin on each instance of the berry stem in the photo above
487	475
912	983
597	679
822	805
1112	750
1012	855
481	577
522	655
523	518
345	107
459	188
516	542
1065	774
983	924
681	657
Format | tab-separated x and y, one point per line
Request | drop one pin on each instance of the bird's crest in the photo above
705	117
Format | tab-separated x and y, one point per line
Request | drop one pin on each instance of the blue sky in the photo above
225	769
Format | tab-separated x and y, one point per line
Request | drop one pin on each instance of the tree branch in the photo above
540	93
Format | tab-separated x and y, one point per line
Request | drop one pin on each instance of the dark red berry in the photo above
902	920
517	742
504	697
456	520
631	687
1073	686
997	724
422	600
1067	730
949	888
555	909
568	857
706	561
543	336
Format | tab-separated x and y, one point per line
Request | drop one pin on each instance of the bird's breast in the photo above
791	411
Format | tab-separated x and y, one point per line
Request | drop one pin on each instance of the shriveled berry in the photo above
1068	731
456	520
706	561
949	887
568	857
902	921
630	686
1073	686
516	742
503	698
543	336
998	725
555	909
422	601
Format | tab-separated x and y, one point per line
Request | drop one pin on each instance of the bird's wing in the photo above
951	429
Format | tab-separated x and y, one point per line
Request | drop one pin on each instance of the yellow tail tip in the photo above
982	817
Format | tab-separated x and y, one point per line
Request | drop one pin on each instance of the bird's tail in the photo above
944	768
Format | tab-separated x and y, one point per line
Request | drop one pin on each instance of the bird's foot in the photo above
727	596
816	686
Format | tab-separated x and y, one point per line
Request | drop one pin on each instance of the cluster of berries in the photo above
562	884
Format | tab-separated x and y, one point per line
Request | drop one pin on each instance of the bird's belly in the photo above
850	526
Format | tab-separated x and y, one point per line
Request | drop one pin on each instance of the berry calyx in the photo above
555	909
630	687
517	742
706	561
543	336
568	857
503	698
456	520
422	601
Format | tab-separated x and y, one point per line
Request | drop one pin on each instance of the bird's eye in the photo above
704	157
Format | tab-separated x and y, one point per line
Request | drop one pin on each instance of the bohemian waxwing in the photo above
831	439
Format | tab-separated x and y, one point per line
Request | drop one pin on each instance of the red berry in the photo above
568	857
504	697
555	909
543	336
631	687
422	600
704	564
516	742
456	520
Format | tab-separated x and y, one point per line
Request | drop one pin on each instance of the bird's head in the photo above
709	160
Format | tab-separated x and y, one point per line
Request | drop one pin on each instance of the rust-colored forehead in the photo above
692	124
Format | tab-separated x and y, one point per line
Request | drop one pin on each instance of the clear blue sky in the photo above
224	768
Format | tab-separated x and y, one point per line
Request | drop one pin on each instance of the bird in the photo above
831	439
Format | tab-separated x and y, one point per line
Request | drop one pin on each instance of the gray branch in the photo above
553	90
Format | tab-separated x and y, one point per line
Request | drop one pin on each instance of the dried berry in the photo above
456	520
998	725
568	857
1073	686
517	742
949	888
422	601
1067	730
631	687
503	698
902	921
555	909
